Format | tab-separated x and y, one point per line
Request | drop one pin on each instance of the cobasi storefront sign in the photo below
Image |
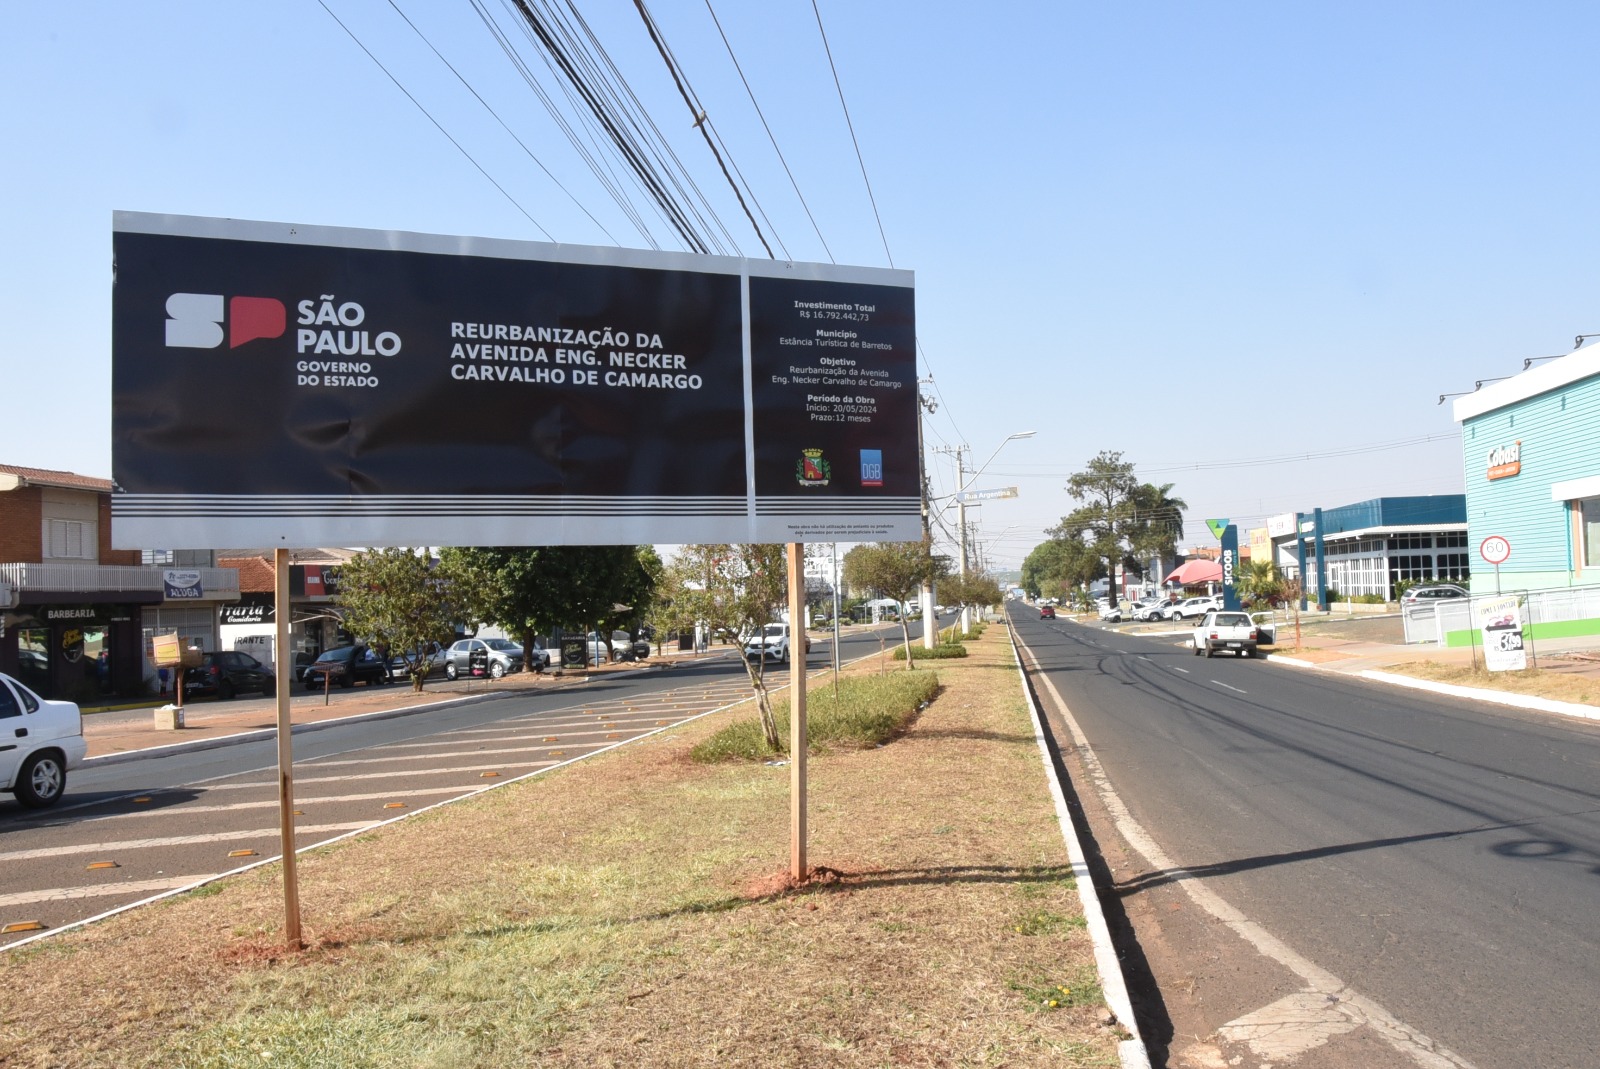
1505	461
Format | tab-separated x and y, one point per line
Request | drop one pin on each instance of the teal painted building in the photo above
1531	447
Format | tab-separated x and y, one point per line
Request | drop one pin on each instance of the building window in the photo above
163	557
71	539
1589	522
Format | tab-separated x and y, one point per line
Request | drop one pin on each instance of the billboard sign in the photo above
284	385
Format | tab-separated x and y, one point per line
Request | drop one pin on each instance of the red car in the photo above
1047	613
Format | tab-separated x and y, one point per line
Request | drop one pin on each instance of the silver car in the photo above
496	657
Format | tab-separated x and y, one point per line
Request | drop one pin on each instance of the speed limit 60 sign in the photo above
1495	550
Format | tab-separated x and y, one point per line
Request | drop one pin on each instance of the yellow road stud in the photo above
241	853
22	926
101	865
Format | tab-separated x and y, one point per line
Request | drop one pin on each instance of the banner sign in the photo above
181	585
1500	621
285	385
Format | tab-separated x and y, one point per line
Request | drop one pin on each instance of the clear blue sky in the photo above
1195	233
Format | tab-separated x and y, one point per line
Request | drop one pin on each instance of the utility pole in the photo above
930	623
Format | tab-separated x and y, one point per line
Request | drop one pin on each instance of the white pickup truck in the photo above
1234	631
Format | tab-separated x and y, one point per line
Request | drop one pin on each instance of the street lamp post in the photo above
962	482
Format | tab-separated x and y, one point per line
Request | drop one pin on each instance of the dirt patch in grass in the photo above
1559	679
630	910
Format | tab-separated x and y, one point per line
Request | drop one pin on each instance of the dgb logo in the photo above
872	467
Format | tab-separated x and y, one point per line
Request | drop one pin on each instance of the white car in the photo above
40	741
771	643
1196	607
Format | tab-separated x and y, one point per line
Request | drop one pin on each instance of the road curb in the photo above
1498	697
1132	1052
1454	690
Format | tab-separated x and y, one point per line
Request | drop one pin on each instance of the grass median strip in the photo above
632	909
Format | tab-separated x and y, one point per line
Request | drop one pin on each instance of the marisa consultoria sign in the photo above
285	385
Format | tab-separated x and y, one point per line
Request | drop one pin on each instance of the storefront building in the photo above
1531	451
1370	547
75	615
315	623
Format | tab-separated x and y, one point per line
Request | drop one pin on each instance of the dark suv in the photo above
347	666
224	673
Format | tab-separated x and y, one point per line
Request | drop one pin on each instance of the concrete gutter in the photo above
1132	1052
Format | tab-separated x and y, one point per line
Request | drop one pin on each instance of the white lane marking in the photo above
1357	1007
440	753
299	799
54	894
174	840
1175	668
1236	690
408	773
1289	1027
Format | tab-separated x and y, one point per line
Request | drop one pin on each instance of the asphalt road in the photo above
131	830
1438	858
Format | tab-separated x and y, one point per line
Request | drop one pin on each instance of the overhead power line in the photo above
502	122
436	123
772	138
852	126
701	122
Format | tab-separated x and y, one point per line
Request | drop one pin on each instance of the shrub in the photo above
870	711
943	651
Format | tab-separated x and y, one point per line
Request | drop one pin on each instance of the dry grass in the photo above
630	910
1558	679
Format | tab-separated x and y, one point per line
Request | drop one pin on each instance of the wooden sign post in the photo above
797	712
291	879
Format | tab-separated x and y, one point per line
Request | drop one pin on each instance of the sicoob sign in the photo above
301	386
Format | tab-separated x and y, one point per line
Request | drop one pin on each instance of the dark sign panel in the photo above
304	386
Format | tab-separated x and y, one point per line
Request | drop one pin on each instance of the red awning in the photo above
1196	571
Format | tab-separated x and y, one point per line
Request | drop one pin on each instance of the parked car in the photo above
346	666
1225	631
500	657
1111	614
43	741
224	673
400	664
1150	610
1422	595
1196	607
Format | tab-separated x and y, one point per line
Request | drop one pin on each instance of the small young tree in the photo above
738	588
399	601
895	570
972	591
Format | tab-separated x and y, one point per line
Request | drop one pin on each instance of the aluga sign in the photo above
286	385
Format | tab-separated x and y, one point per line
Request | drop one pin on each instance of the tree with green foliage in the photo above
738	589
1058	567
400	602
971	591
533	590
1121	520
1261	581
896	570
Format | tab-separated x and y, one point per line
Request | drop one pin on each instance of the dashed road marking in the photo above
1236	690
